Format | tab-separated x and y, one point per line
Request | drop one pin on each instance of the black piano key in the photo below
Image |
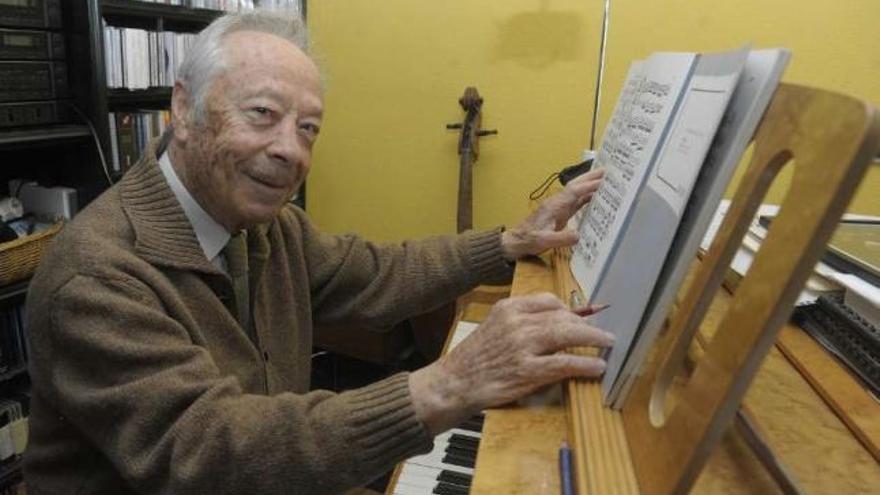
464	441
464	453
457	460
455	478
471	425
443	488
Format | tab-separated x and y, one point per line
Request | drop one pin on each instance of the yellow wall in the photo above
385	165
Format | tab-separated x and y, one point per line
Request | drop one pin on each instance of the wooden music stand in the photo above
829	140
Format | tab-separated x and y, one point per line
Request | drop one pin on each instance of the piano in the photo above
819	429
449	468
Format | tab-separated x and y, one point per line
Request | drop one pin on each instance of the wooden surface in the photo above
816	447
601	455
849	399
829	140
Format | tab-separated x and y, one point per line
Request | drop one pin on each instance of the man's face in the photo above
262	116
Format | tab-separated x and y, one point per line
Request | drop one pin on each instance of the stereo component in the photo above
41	14
31	45
23	81
34	113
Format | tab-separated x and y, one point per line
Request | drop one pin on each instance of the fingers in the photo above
562	365
592	175
565	330
558	238
544	301
576	194
587	183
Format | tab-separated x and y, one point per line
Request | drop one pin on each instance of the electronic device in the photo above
567	174
51	203
31	45
32	113
22	81
855	248
45	14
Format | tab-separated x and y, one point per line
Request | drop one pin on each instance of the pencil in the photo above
565	481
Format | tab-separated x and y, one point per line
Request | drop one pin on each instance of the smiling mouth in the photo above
264	182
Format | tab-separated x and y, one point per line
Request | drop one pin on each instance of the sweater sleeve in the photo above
130	379
352	280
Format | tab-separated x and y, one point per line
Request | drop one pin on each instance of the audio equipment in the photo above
22	81
30	45
41	14
33	113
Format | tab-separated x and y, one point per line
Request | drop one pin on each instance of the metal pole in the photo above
601	73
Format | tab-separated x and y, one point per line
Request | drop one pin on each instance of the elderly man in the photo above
164	362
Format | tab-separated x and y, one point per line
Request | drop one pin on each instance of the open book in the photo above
666	167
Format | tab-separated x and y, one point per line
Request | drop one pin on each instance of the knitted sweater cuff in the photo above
385	429
485	257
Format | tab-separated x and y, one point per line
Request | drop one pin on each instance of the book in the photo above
672	186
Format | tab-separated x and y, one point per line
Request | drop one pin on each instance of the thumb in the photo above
561	238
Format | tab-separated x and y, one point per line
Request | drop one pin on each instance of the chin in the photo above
258	215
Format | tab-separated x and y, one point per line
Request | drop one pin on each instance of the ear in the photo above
180	111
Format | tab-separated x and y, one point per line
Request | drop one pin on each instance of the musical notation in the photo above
631	139
623	149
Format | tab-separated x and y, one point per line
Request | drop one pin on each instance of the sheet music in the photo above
638	125
761	75
688	143
634	266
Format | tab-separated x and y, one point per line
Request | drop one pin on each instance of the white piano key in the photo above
463	432
426	484
419	474
406	489
461	332
435	460
416	471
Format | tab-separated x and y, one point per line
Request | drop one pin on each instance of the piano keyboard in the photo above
449	468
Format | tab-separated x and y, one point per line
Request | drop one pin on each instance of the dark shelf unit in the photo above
14	381
10	472
146	15
150	98
16	371
16	289
43	136
140	15
132	14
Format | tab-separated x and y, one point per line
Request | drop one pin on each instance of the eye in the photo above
310	129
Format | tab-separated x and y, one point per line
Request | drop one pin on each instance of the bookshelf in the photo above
56	134
67	154
145	15
150	98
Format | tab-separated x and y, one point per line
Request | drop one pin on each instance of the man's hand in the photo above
513	353
545	227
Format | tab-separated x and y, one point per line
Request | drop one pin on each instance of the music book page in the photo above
630	145
652	152
760	76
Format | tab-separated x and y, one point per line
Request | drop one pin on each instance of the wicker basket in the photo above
19	258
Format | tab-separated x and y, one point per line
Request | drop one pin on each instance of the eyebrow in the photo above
311	108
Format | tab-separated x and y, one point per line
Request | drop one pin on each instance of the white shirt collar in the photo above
211	235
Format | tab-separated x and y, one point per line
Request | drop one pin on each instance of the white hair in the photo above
205	59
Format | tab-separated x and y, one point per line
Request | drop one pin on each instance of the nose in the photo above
287	147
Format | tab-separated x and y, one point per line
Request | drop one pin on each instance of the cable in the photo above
542	189
96	140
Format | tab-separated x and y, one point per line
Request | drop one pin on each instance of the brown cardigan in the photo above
143	381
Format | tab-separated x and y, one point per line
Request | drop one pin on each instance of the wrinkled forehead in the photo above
256	58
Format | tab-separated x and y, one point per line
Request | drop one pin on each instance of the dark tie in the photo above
237	267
